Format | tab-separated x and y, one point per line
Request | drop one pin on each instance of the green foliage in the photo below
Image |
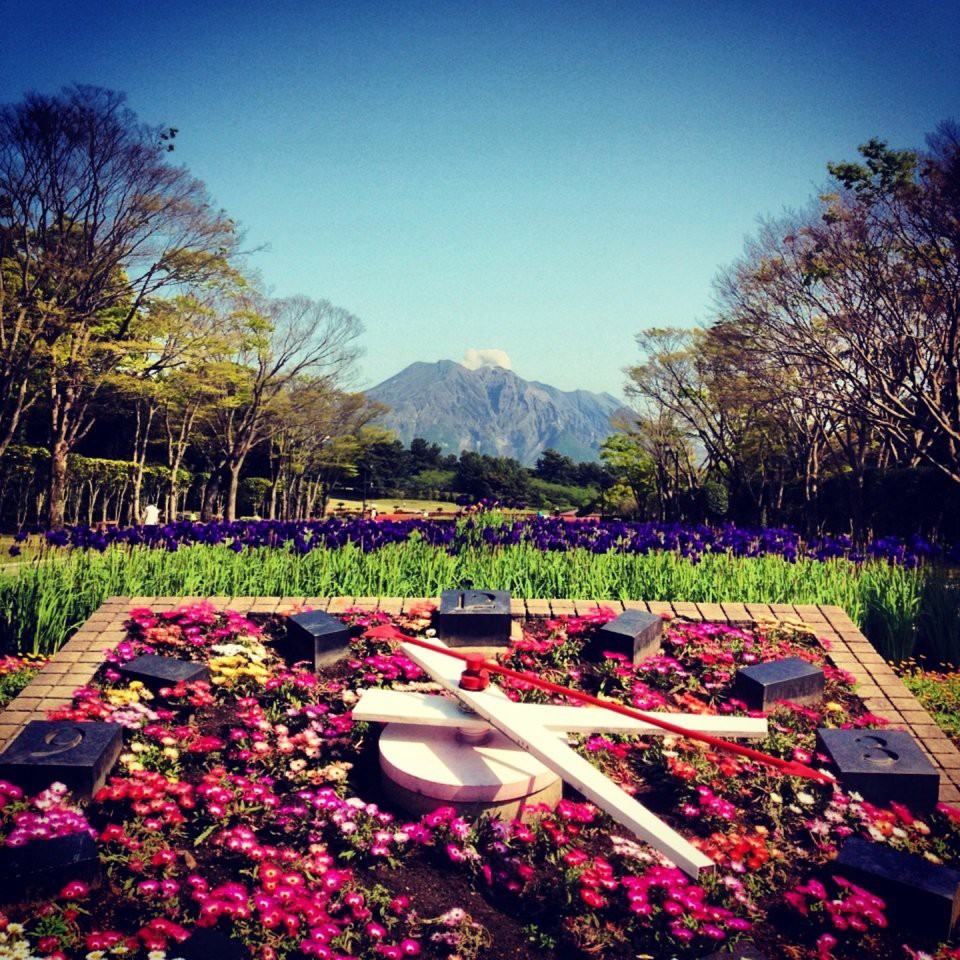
716	499
45	602
553	467
631	465
430	482
891	598
883	171
560	496
938	693
499	478
13	680
252	493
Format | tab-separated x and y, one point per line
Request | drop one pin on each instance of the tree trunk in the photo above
233	486
140	440
58	484
210	495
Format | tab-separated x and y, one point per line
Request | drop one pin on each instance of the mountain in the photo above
492	410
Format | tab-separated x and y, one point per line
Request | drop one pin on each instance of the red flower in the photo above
593	899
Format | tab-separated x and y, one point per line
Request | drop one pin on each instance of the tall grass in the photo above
45	602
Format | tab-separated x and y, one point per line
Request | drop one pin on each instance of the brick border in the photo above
882	691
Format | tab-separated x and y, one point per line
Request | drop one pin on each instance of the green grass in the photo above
15	674
938	693
32	547
43	603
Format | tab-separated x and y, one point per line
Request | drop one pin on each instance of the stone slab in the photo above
316	636
207	944
635	634
474	617
740	951
920	895
41	868
882	765
79	755
760	686
156	672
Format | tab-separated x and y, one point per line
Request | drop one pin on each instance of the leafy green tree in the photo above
283	342
385	466
554	467
431	484
499	478
424	455
321	436
631	465
94	221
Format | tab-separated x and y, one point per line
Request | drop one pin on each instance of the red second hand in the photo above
792	768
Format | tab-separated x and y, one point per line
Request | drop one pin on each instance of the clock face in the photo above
432	748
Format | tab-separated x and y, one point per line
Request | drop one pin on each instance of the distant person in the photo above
373	513
151	515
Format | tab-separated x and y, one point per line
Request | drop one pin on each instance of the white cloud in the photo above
473	359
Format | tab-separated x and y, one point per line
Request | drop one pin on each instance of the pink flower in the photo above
75	890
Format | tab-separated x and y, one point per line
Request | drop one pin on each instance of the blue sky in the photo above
544	179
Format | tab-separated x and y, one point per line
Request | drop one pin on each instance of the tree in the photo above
283	342
863	294
485	477
684	391
317	443
554	467
385	465
94	221
630	466
424	455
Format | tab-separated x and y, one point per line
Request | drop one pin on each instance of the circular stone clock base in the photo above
426	767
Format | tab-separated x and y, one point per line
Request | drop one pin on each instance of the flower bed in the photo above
252	804
494	528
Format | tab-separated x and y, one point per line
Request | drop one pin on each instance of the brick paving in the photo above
882	691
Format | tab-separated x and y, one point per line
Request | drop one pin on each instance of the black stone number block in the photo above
474	618
156	672
740	951
79	755
41	868
920	895
206	944
635	633
792	678
316	636
882	765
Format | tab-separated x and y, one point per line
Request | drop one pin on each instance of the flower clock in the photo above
251	805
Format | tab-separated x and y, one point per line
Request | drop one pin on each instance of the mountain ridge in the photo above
494	411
